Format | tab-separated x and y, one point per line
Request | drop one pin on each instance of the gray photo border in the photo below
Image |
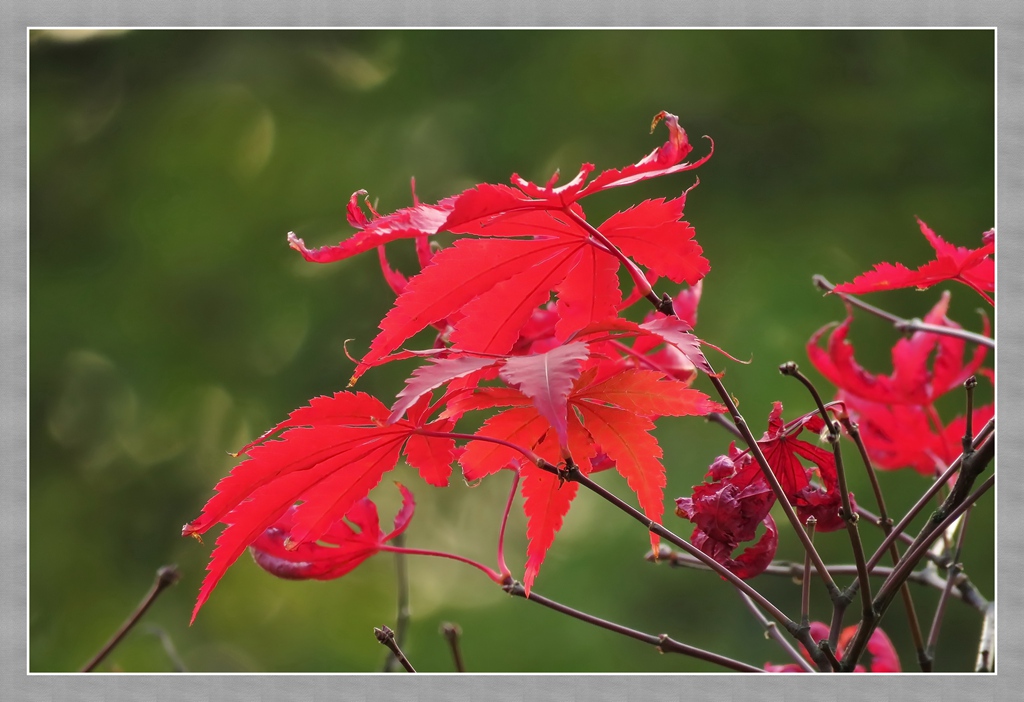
1008	19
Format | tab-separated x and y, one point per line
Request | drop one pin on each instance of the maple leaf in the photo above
331	454
487	290
727	512
974	268
911	381
614	414
338	551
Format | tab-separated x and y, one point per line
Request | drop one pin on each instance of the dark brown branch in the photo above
387	637
451	634
165	577
663	642
905	325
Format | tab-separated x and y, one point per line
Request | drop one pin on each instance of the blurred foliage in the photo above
171	324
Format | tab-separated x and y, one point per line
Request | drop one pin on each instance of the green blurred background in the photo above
170	323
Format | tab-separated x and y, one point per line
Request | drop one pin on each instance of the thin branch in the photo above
905	325
963	591
986	660
922	502
772	630
663	642
451	634
883	520
402	614
801	633
848	515
955	569
387	637
929	533
165	577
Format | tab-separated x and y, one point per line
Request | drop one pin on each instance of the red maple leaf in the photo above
614	414
331	455
537	242
338	551
912	381
974	268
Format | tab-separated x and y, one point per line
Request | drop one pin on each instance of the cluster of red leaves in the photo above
728	509
896	414
883	654
572	386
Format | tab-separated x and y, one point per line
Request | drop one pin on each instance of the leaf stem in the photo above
492	574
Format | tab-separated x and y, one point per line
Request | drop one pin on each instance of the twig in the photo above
165	577
954	570
848	515
663	642
387	637
932	530
772	630
403	613
905	325
986	660
801	633
963	591
451	634
897	530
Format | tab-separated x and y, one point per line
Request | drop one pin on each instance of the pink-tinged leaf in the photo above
493	320
456	276
647	393
625	438
677	332
547	500
522	426
651	235
426	378
589	293
547	379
